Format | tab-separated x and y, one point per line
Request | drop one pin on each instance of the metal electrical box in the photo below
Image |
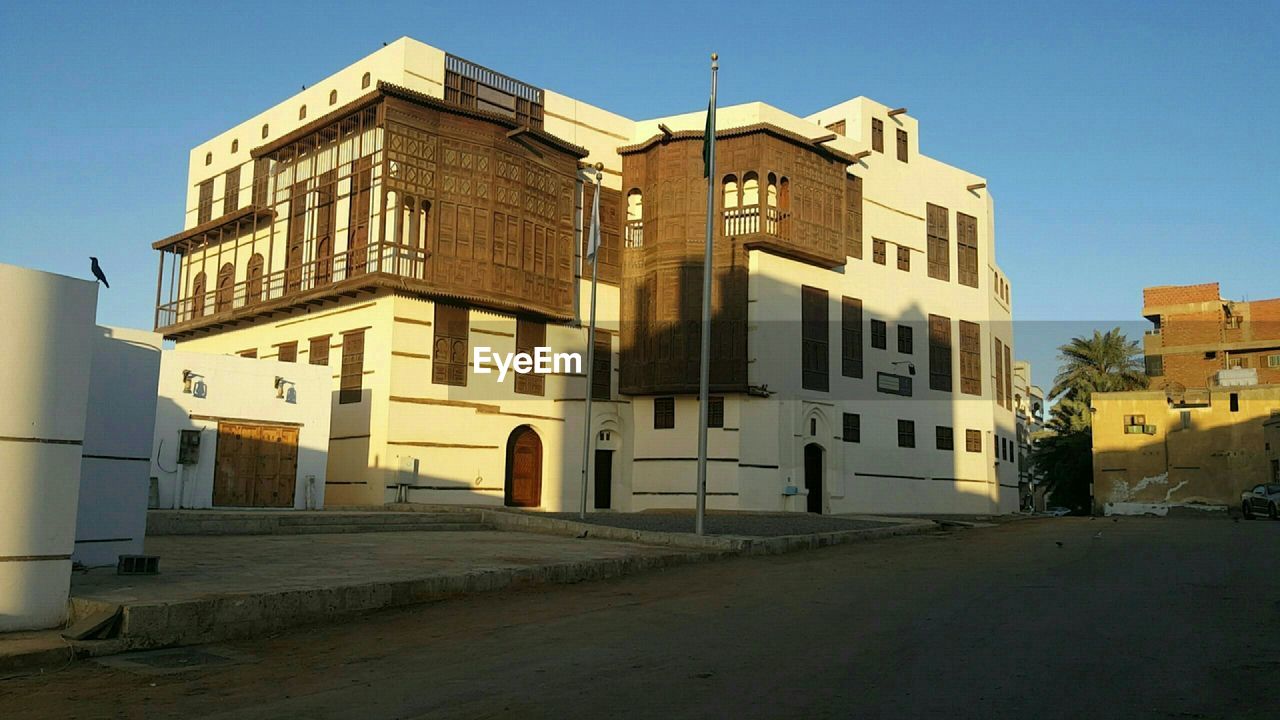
189	447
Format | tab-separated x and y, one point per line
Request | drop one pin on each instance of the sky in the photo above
1125	144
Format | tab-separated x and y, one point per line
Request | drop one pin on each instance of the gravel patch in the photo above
743	525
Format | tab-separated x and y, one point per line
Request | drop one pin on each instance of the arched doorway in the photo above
813	476
523	487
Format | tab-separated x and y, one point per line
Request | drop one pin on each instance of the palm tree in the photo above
1106	362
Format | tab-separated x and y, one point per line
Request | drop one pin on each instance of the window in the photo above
1273	361
940	353
967	249
366	81
906	433
358	215
1155	365
879	332
204	210
937	232
1135	420
208	158
997	369
235	146
266	130
333	97
302	113
664	413
261	180
635	219
231	191
223	298
350	389
904	258
946	438
813	427
1233	321
902	145
287	352
730	188
853	186
877	135
602	370
1185	416
198	288
530	334
318	353
877	251
1235	402
906	343
1008	376
449	354
973	441
715	412
852	428
814	344
851	337
253	279
1238	362
970	358
250	353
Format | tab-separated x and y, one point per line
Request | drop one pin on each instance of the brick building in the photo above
1196	334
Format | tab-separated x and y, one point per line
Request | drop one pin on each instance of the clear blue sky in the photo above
1124	146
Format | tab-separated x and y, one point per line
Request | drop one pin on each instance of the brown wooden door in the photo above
524	468
255	466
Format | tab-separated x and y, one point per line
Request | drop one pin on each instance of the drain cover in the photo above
173	660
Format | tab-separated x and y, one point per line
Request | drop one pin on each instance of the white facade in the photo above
230	389
44	388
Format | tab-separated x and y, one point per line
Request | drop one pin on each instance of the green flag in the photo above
706	144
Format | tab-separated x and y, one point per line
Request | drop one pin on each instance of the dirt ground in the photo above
1045	618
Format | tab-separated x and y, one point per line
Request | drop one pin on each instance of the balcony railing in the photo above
635	233
741	221
222	301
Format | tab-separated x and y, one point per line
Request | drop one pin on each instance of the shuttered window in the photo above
945	438
231	191
877	135
715	412
997	371
261	177
904	258
449	353
530	335
204	211
602	371
318	352
1155	364
288	352
814	344
906	339
1008	377
940	353
902	145
851	337
906	433
350	387
973	441
853	187
664	413
967	249
879	334
877	251
852	428
937	228
970	358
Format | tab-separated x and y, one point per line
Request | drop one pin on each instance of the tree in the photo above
1106	362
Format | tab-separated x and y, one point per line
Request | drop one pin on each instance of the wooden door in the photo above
604	479
255	466
524	468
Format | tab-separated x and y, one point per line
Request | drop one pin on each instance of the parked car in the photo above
1261	500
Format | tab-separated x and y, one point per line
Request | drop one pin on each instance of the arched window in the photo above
635	218
771	193
731	191
208	158
366	80
302	113
333	97
784	194
197	295
226	288
265	130
750	190
253	280
235	146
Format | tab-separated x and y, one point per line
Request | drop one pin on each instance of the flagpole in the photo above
704	378
593	241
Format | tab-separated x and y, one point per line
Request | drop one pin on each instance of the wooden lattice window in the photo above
937	229
906	433
967	249
1008	376
997	370
851	337
814	343
973	441
318	350
970	358
198	287
350	389
602	366
904	258
474	86
609	260
261	181
879	334
253	279
296	235
287	352
231	191
326	216
940	353
449	354
877	135
664	413
853	186
226	288
902	145
204	208
358	215
715	412
852	430
530	335
945	438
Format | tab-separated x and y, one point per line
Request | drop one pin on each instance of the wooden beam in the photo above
518	131
975	186
859	155
666	131
897	111
824	139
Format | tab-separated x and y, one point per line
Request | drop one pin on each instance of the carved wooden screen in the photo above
610	260
967	249
231	191
853	230
602	366
326	214
287	352
814	342
261	181
998	370
226	288
197	294
851	337
530	335
253	279
937	224
318	350
296	235
449	354
940	353
358	216
1008	377
204	210
970	358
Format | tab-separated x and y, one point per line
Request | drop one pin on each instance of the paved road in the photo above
1139	618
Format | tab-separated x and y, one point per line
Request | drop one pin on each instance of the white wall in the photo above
44	383
232	388
116	457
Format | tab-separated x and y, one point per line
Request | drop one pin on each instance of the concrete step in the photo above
303	522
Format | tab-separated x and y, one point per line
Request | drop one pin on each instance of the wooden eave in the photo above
215	224
763	127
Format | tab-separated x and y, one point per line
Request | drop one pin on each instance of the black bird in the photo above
97	271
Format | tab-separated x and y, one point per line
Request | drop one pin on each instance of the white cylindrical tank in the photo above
48	322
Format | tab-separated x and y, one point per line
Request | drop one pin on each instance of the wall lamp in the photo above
188	379
279	385
911	367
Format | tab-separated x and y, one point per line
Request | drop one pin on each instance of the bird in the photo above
97	271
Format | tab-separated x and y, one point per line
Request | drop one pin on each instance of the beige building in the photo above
393	218
1153	451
